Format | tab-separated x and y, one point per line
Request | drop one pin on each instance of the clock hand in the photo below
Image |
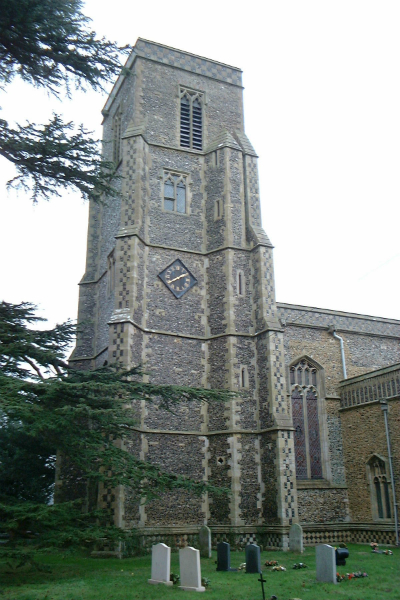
179	277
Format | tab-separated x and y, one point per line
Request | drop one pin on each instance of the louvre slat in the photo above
191	120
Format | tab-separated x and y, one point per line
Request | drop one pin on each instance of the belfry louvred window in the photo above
191	119
307	443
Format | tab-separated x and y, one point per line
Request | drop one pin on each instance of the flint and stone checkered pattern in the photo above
302	315
189	62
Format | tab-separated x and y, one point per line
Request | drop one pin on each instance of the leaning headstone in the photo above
160	564
326	563
253	559
296	538
190	573
224	557
205	541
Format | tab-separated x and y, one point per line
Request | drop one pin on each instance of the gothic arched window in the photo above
191	119
306	420
380	492
175	192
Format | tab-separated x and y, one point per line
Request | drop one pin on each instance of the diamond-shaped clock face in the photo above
177	278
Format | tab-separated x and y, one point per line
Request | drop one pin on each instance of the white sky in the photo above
322	98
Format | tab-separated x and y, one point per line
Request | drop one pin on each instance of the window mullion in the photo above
307	431
191	122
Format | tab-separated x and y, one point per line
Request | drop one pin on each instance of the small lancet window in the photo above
175	188
240	283
116	132
243	377
110	273
218	209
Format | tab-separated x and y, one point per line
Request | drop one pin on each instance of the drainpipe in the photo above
384	407
335	335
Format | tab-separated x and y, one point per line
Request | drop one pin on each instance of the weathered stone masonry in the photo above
227	331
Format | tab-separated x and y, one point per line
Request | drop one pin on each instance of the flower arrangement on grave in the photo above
374	546
300	566
174	578
242	567
355	575
279	568
271	563
205	581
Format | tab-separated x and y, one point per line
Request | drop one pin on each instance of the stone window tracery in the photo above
175	188
380	492
191	119
306	421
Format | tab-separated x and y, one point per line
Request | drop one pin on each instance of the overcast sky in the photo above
322	98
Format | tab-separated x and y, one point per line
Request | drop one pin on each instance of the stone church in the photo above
179	278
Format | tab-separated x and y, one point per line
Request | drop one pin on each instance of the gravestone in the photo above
224	557
326	563
160	564
190	573
341	555
253	559
205	541
296	538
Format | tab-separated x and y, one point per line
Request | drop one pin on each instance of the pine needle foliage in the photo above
87	418
49	44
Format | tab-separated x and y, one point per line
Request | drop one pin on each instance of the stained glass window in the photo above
307	442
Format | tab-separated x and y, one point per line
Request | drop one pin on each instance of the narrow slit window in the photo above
116	131
243	377
191	119
111	273
240	283
218	209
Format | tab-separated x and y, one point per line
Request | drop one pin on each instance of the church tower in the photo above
179	279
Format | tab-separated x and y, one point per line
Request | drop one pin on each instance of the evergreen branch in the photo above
34	367
56	155
47	43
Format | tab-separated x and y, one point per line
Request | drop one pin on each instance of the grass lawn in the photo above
74	577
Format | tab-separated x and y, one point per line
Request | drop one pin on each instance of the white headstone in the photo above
190	572
326	563
160	564
296	538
